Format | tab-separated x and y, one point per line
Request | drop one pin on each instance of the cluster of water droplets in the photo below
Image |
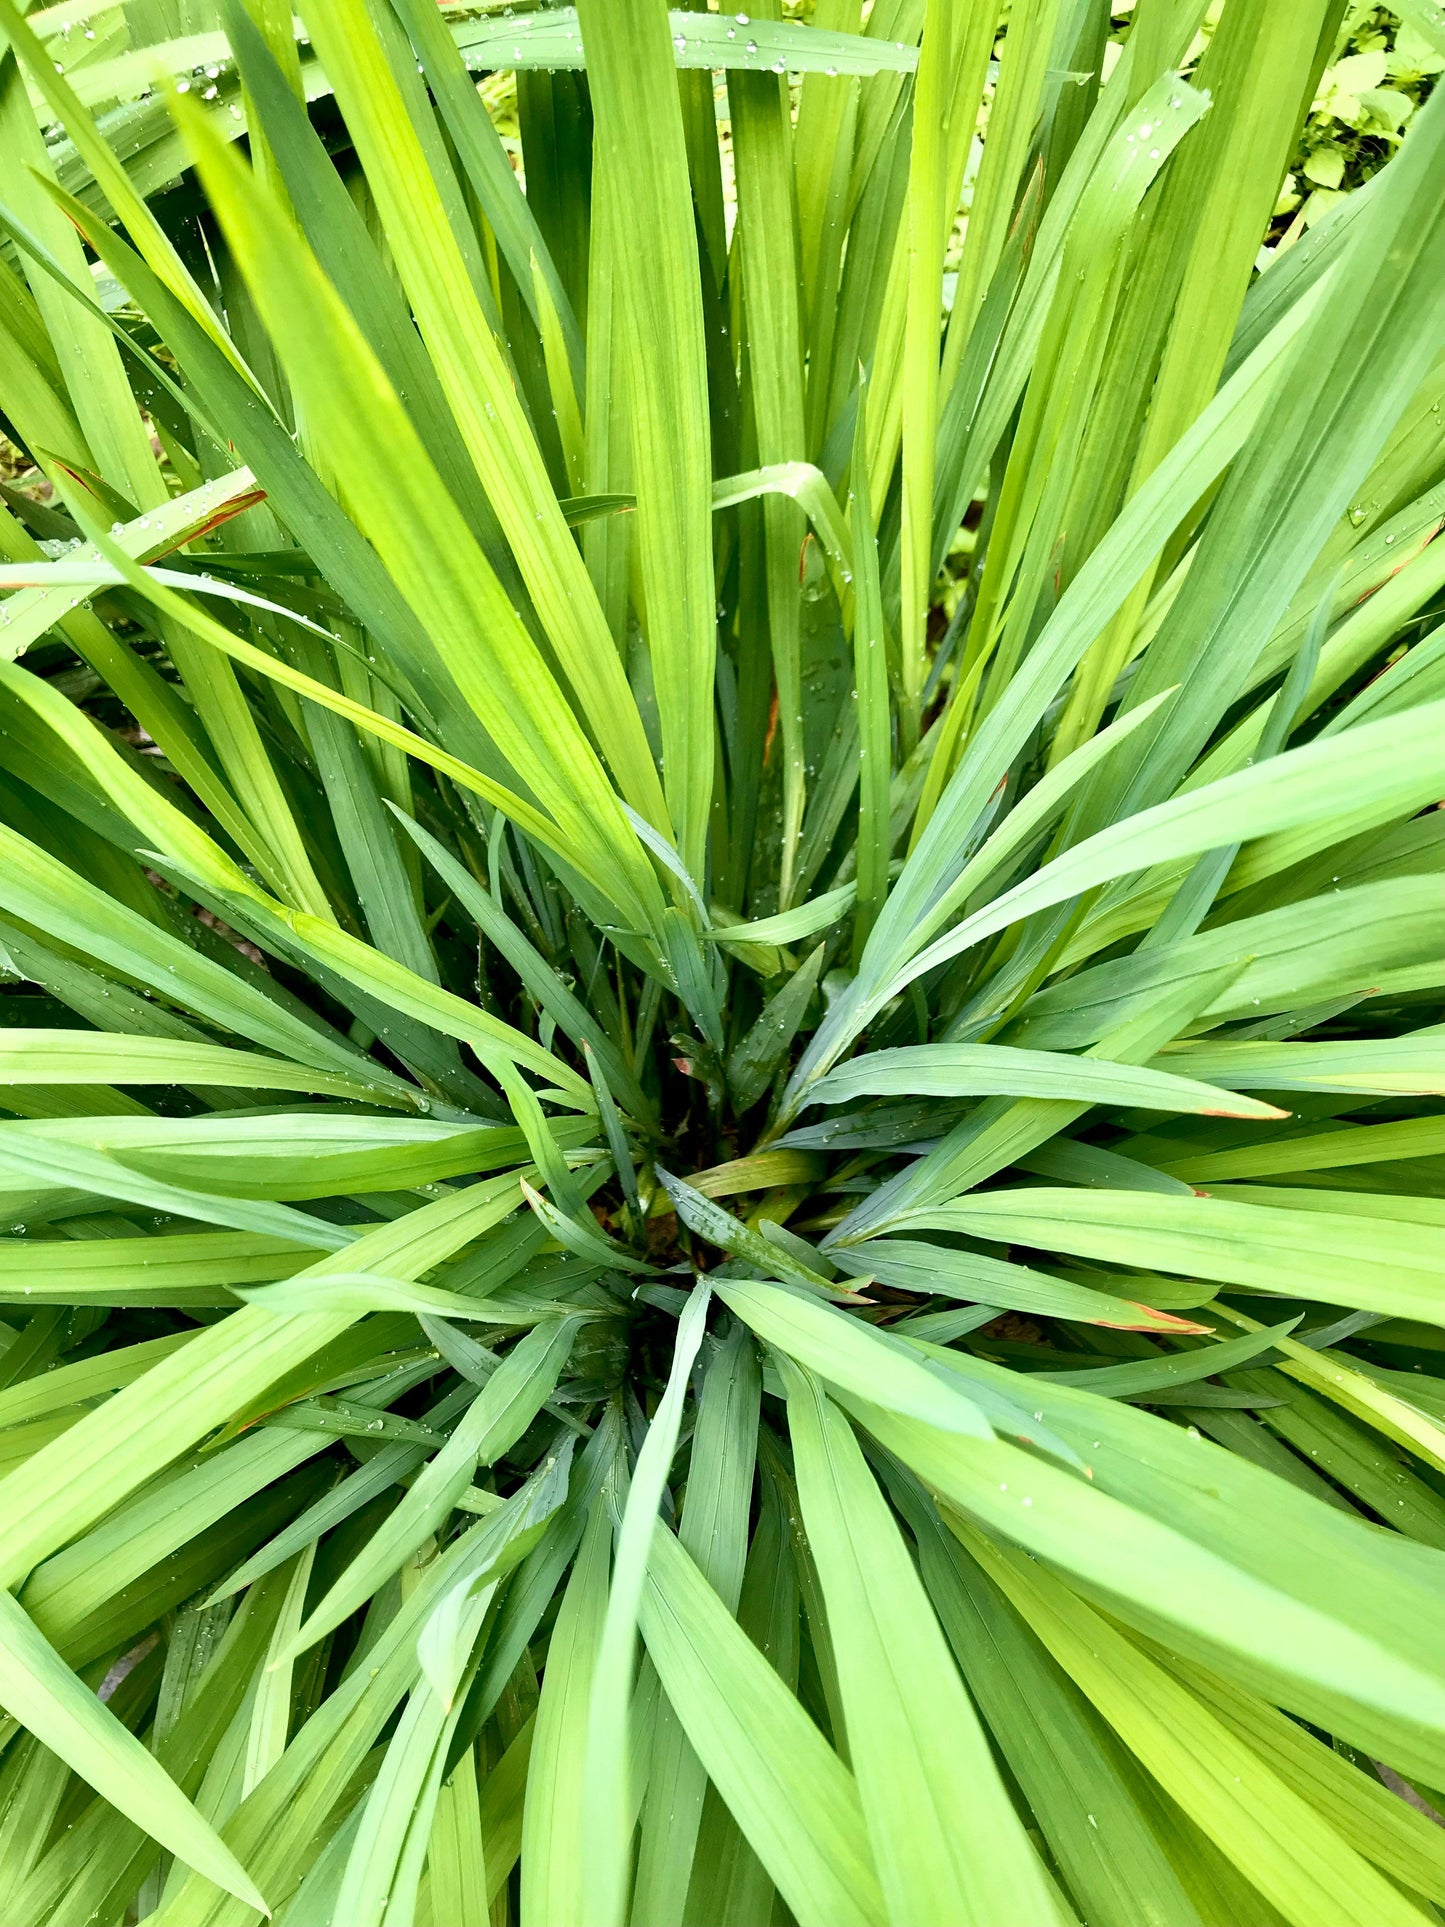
64	36
211	75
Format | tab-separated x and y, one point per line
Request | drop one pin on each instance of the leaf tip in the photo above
1256	1114
1159	1321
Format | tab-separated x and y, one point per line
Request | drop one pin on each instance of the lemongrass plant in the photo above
687	1242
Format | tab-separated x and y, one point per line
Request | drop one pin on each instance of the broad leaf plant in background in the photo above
683	1245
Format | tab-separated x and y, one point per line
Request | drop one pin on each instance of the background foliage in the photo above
722	1046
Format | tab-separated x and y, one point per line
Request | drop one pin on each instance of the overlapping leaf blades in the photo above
677	1252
